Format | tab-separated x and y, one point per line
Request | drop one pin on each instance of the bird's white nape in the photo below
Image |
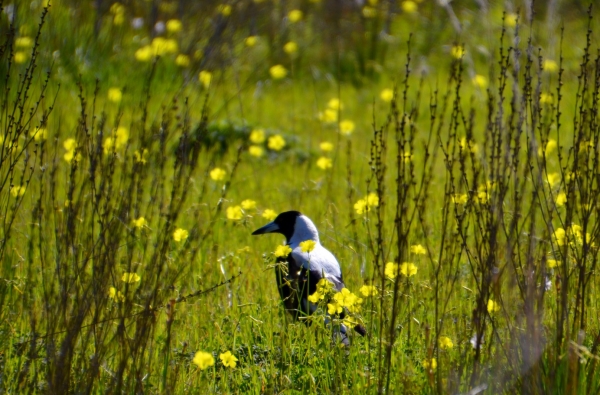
304	229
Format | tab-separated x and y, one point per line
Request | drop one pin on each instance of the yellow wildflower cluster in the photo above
369	290
228	359
116	140
160	46
70	146
573	235
324	289
269	214
116	295
276	142
217	174
407	269
203	360
278	72
235	213
418	249
139	223
364	205
17	190
180	235
282	251
445	342
549	148
346	299
493	307
130	278
307	246
430	364
387	95
331	113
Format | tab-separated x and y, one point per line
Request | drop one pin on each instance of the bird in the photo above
304	270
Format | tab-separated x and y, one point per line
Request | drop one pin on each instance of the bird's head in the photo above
284	223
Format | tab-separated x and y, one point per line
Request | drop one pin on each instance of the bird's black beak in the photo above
271	227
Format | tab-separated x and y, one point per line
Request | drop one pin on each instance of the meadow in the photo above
447	152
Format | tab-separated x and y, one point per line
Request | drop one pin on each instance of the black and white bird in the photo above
304	270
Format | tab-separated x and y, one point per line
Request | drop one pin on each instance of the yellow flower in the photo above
329	115
23	42
269	215
387	95
372	200
345	298
250	41
140	157
295	16
346	127
174	25
117	296
248	204
460	198
458	51
492	306
550	147
391	270
445	342
369	12
418	249
17	190
139	223
130	278
560	236
282	251
40	134
225	10
278	72
430	364
480	81
182	60
511	20
217	174
143	54
315	297
546	98
552	263
334	308
550	66
257	136
553	179
290	48
308	245
234	213
324	163
205	77
256	151
326	146
115	95
408	269
361	206
180	235
335	104
470	146
203	360
161	46
276	142
122	135
228	359
561	199
409	7
20	57
368	290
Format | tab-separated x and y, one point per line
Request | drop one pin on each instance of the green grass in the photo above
486	216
